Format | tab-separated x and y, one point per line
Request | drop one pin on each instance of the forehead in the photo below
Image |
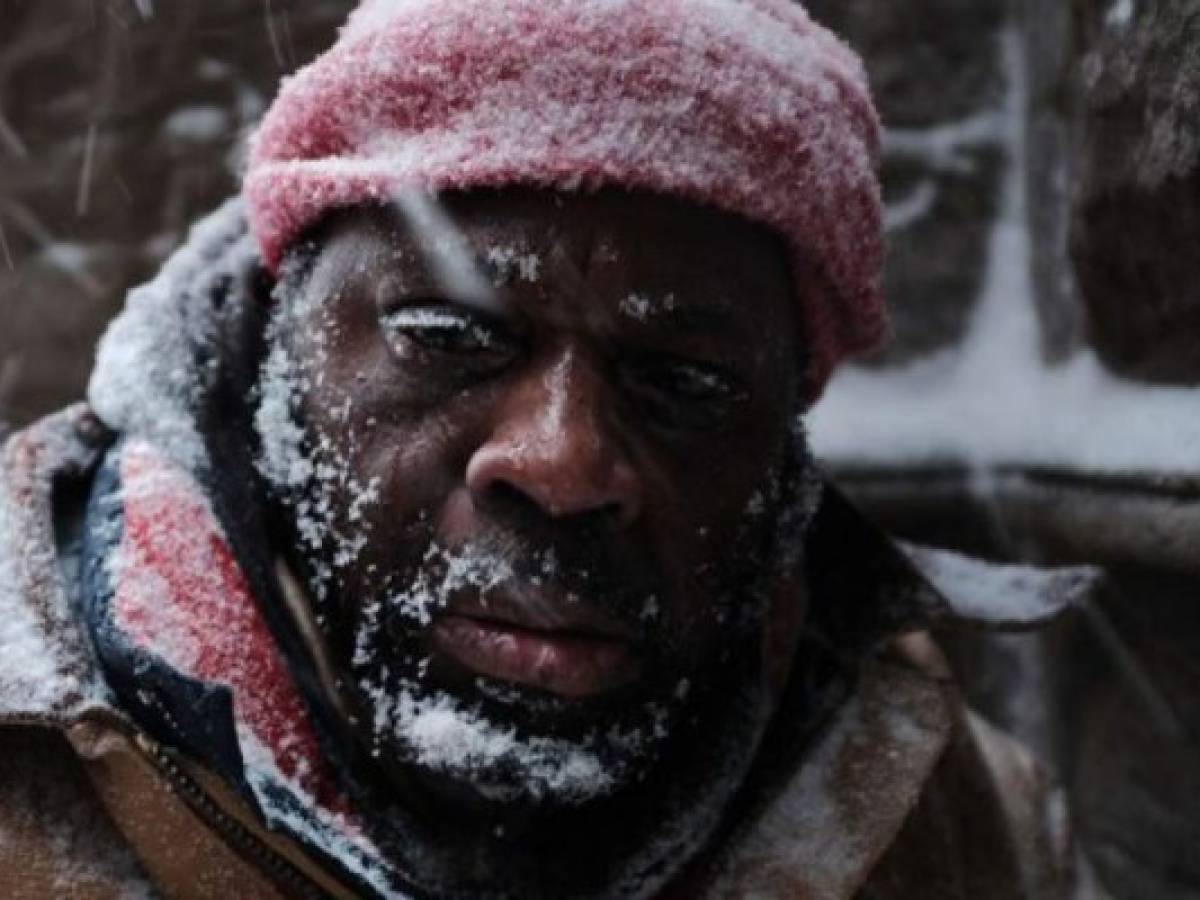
609	254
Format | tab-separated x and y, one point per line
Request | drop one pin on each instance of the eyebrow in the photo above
693	320
684	319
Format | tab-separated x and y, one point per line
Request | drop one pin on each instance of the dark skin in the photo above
615	395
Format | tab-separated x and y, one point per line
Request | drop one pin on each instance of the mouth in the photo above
539	638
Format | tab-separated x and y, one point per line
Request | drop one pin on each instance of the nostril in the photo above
510	501
507	496
503	496
610	511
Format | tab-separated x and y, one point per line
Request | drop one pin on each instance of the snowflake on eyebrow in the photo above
643	306
508	263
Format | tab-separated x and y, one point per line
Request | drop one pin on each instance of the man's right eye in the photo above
446	330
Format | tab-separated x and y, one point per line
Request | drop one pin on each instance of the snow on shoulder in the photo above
45	669
1003	595
154	364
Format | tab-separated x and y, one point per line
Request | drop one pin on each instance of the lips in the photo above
538	638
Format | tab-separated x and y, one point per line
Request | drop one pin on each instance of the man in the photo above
445	525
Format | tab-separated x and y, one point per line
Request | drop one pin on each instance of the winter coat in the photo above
903	794
124	770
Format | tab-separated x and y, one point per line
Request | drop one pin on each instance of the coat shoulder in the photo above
907	794
989	824
56	840
46	668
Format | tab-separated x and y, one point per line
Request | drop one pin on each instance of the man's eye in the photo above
443	329
689	394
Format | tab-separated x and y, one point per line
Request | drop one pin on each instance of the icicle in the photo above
12	140
83	197
276	47
4	248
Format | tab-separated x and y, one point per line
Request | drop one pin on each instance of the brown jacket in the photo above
903	795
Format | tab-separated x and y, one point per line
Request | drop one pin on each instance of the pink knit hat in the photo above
744	105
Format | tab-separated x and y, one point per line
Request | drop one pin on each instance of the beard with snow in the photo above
475	787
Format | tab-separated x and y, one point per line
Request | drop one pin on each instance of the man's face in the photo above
535	451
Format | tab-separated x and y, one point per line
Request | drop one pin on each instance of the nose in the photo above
550	442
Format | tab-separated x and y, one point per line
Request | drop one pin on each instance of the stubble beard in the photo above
600	807
607	807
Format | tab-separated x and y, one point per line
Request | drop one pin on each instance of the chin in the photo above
477	786
471	805
503	745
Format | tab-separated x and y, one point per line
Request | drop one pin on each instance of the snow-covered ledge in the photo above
1069	453
992	400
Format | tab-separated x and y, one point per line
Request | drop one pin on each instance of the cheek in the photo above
696	555
418	465
708	497
415	469
713	525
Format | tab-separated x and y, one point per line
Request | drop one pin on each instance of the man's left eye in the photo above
444	330
686	393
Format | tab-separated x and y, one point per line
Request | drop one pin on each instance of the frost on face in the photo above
310	470
448	736
436	323
644	307
509	263
442	574
511	744
456	737
284	463
463	738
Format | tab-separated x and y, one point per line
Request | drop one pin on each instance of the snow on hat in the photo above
744	105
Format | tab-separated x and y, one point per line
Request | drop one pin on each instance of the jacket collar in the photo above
47	672
851	790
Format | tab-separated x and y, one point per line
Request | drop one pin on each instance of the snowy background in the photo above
1041	402
119	126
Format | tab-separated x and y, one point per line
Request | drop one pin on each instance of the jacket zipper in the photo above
281	871
278	869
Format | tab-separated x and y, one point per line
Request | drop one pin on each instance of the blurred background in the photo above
1041	400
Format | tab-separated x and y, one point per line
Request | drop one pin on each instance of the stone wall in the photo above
1136	214
1111	166
1113	162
